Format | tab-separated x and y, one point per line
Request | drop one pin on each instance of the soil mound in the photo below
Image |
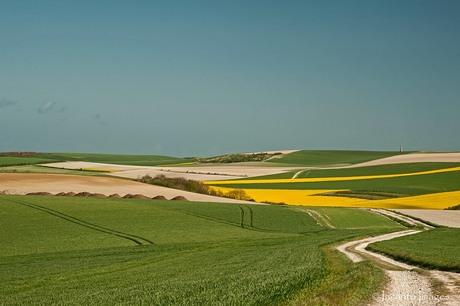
179	198
115	196
159	197
136	196
40	193
65	194
83	194
98	195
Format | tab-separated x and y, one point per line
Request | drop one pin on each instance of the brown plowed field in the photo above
22	183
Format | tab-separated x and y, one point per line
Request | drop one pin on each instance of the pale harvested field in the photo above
22	183
449	218
411	158
199	173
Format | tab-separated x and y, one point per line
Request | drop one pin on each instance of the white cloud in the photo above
51	107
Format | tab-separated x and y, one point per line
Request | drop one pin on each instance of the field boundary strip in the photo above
329	179
136	239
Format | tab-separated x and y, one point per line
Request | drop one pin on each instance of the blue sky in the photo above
197	78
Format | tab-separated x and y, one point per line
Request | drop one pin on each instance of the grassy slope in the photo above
353	218
136	160
329	157
46	170
201	254
6	161
434	249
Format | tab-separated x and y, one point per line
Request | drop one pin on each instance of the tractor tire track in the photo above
136	239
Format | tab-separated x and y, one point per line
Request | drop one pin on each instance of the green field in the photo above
377	170
434	249
47	170
345	218
6	161
135	160
330	157
405	186
58	250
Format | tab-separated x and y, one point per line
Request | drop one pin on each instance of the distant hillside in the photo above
238	158
22	158
329	157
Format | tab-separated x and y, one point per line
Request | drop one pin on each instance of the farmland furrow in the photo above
136	239
251	214
242	216
319	218
241	223
247	216
203	216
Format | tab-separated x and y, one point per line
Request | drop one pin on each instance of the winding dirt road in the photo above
408	285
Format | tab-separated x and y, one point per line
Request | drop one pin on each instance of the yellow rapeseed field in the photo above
314	198
440	200
301	197
294	197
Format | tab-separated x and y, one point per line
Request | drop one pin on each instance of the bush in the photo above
238	194
176	183
456	207
193	186
237	158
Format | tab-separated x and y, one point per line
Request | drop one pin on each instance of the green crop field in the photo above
330	157
47	170
343	218
360	171
434	249
409	185
377	170
135	160
6	161
75	251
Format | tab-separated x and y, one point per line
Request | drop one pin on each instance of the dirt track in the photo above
406	286
22	183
